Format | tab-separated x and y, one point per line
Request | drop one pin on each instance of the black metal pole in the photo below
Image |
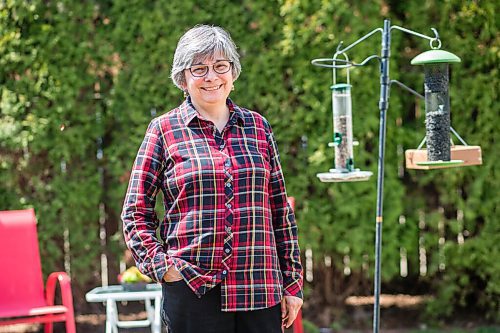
383	105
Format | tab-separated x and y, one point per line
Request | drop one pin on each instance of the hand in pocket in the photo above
172	275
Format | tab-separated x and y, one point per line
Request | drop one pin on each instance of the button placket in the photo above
222	144
229	196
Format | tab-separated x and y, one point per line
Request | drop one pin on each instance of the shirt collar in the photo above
188	112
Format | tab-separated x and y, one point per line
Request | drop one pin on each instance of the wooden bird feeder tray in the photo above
460	156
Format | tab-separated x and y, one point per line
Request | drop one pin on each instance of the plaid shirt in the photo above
227	219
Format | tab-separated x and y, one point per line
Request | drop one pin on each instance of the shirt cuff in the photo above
161	264
294	289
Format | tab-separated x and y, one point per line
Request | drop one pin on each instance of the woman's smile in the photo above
212	88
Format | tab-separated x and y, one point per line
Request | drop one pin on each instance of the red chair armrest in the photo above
65	284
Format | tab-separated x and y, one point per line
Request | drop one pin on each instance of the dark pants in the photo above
184	312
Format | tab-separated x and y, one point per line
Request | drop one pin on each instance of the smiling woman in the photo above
228	256
209	84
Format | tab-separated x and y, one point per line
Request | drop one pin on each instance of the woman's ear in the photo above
184	89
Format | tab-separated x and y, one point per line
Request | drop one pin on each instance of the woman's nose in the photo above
211	74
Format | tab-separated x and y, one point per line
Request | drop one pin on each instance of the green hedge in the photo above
77	76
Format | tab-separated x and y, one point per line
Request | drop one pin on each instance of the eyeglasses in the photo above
220	67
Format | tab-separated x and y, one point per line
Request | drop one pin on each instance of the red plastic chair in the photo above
22	297
297	324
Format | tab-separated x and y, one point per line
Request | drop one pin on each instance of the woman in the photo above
226	251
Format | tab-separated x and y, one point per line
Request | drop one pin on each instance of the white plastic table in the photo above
111	294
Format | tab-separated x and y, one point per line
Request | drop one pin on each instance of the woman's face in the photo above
212	88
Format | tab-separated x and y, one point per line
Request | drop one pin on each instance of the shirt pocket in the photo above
177	179
253	162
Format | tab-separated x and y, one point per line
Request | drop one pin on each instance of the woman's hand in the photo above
290	306
172	275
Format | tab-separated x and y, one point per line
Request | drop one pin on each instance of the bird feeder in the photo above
440	151
343	170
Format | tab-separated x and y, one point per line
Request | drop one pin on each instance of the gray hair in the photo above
200	43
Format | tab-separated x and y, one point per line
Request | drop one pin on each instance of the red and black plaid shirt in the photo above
227	219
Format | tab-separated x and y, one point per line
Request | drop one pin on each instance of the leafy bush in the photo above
81	80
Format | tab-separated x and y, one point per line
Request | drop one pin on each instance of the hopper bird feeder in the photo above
440	151
343	170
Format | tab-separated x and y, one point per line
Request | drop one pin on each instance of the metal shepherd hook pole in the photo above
383	105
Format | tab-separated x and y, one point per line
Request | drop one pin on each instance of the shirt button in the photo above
221	147
227	250
228	205
228	163
228	184
224	272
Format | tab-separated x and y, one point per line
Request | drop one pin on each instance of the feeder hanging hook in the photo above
436	38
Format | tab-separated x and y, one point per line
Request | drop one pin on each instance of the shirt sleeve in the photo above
140	222
285	227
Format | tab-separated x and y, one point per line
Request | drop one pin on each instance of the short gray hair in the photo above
199	43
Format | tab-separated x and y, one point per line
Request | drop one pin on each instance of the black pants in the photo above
183	312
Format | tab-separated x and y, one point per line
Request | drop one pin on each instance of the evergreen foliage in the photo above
79	76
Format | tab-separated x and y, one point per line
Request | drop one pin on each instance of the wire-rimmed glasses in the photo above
219	67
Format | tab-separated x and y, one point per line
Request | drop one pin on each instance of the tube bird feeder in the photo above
343	170
342	127
439	152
